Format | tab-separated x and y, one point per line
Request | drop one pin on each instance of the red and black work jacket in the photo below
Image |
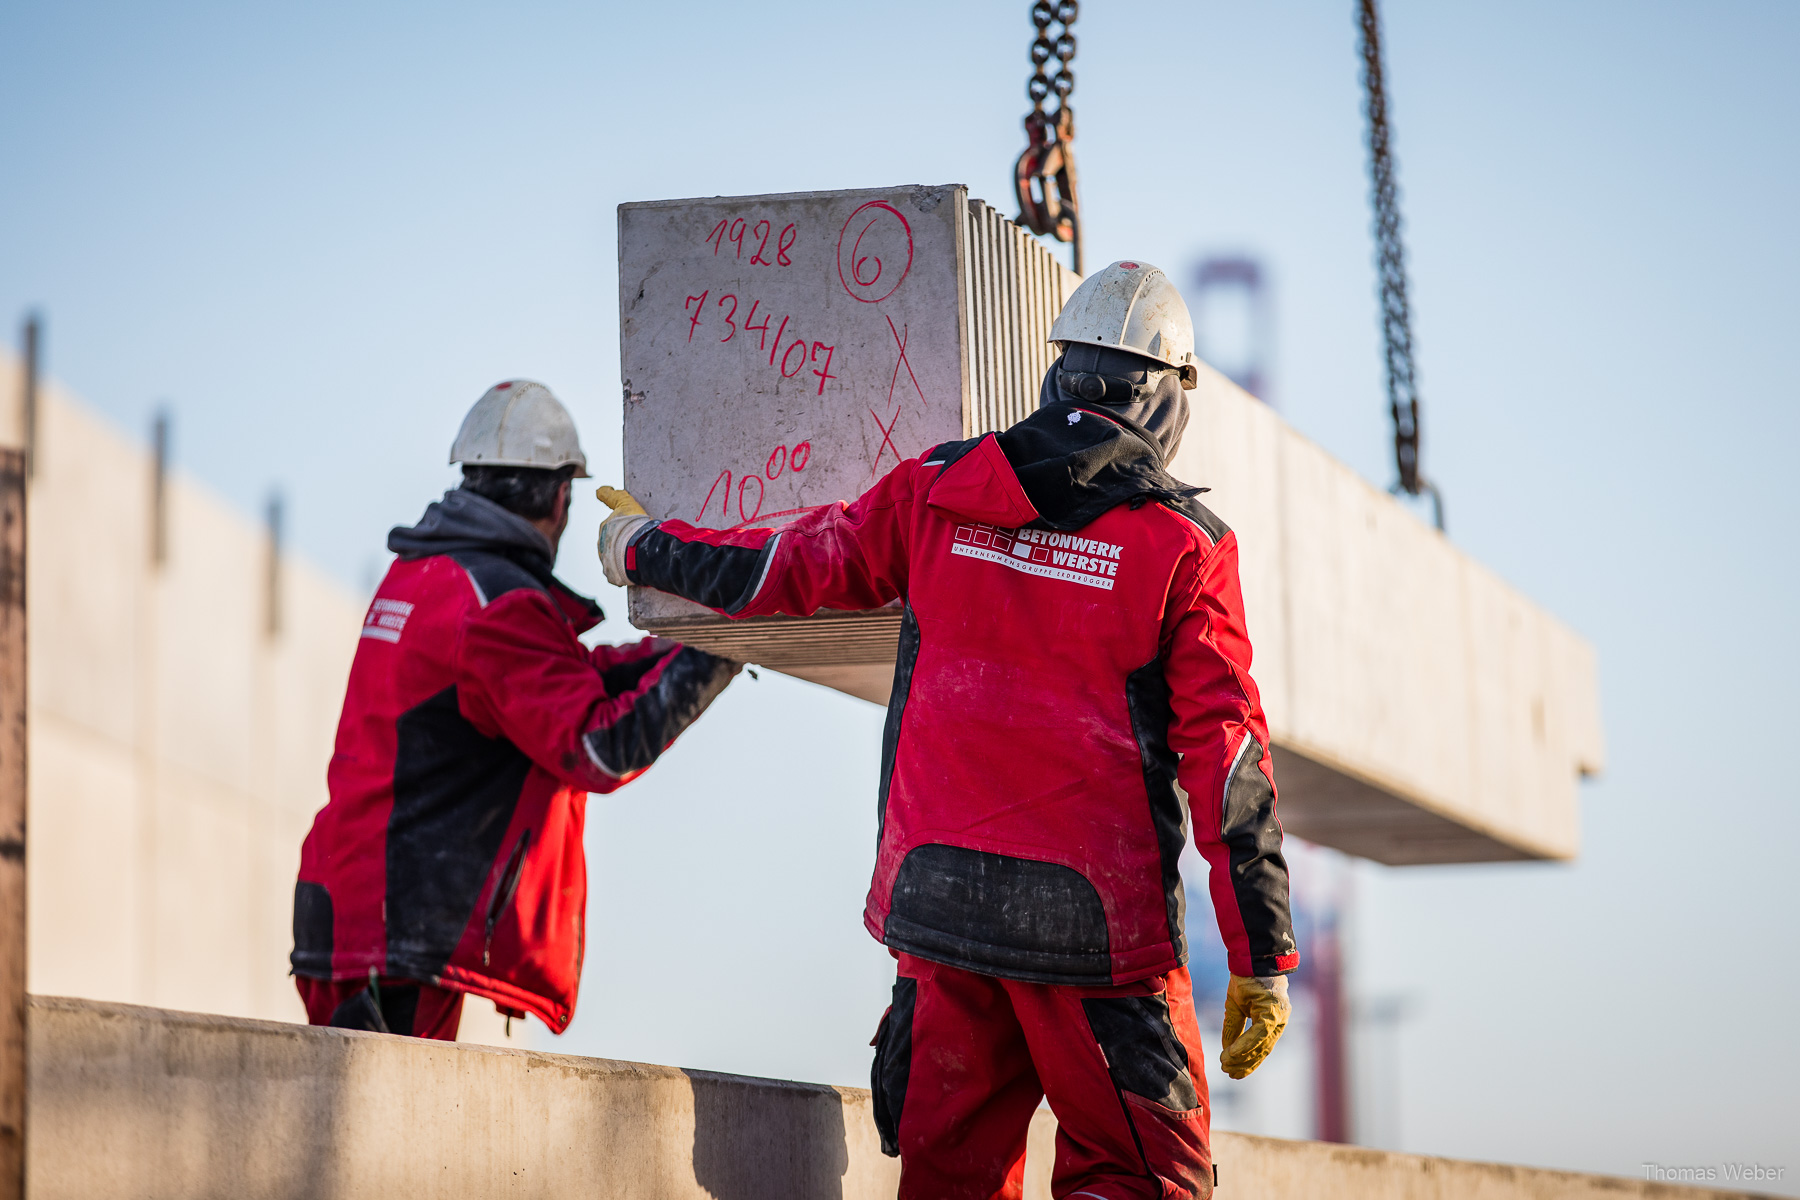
1072	693
474	727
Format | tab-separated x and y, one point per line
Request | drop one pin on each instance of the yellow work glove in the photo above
628	516
1261	1002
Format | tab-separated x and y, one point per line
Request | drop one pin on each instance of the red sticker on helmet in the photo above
1129	266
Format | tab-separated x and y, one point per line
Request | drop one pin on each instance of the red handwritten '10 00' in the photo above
728	230
780	459
696	305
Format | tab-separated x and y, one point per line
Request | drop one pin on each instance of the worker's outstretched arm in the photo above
594	719
845	556
1217	727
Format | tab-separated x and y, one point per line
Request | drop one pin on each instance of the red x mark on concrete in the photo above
887	439
900	340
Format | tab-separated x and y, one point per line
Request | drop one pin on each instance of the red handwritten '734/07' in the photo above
790	364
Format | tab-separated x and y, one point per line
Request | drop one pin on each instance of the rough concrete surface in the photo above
145	1103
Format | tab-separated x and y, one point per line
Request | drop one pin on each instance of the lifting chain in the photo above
1045	172
1390	259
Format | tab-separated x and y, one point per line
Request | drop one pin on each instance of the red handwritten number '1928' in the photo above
733	231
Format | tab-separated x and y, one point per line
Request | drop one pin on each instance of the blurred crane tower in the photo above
1225	287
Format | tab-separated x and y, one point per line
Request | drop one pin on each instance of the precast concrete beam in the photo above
151	1104
780	352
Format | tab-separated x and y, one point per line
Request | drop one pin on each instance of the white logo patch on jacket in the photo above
386	619
1041	552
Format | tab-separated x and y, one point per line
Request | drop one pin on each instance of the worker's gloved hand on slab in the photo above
628	516
1256	1011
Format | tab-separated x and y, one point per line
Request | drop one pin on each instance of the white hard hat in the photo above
1131	306
519	423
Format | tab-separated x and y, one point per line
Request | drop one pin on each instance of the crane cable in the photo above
1045	172
1390	258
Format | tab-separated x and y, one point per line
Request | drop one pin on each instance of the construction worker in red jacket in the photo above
449	859
1072	693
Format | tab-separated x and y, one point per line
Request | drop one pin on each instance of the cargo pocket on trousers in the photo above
893	1064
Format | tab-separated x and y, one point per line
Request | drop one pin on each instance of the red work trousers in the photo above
962	1061
393	1006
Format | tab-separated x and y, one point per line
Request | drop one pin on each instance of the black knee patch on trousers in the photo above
893	1064
398	1006
1145	1056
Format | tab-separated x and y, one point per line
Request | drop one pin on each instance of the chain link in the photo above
1045	173
1390	258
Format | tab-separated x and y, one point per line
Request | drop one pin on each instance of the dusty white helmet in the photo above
1131	306
519	424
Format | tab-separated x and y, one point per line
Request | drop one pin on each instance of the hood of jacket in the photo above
1163	413
464	522
1060	468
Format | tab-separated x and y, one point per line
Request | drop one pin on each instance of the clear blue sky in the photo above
321	231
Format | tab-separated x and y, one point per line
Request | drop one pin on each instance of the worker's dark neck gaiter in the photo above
1163	413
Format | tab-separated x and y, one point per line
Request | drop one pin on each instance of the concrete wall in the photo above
177	746
150	1104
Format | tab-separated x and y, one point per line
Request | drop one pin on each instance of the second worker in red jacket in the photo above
449	861
1072	694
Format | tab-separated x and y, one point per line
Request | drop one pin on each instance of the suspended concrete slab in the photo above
1422	710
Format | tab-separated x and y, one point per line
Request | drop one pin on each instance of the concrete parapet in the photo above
141	1102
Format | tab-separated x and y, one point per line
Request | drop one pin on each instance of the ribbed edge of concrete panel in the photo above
140	1102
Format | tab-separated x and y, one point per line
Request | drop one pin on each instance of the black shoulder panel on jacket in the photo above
454	796
1259	873
1017	918
1200	515
1147	702
495	574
